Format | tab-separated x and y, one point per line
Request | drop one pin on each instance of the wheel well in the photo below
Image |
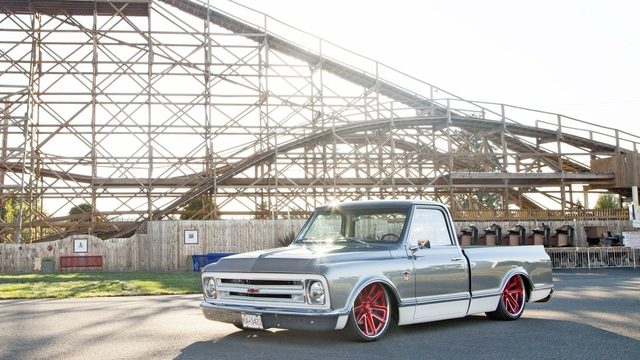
527	285
395	315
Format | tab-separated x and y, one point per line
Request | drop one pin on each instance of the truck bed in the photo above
488	266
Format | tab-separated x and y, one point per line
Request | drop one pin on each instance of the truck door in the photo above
440	269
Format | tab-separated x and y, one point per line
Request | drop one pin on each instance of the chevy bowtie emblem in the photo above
405	275
252	291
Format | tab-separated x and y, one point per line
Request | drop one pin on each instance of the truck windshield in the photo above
362	225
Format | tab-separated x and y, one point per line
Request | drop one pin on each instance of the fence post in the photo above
589	258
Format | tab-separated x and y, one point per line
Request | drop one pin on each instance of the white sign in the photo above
80	245
632	239
191	236
250	321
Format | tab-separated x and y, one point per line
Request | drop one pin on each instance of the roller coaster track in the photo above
276	43
328	135
461	123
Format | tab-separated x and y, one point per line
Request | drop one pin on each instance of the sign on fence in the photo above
632	239
634	216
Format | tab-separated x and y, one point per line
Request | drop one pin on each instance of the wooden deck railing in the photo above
511	214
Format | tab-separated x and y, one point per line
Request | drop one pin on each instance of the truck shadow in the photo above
474	337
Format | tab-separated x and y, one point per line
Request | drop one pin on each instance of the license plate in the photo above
250	321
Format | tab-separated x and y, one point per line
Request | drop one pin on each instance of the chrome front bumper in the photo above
277	318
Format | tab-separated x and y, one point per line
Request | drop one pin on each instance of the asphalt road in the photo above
594	315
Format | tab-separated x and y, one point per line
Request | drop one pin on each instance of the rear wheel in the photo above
512	300
370	315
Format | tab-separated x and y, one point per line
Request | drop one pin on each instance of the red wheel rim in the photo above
513	296
371	310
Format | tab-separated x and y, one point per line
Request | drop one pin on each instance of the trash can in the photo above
199	261
214	257
541	235
48	265
564	236
594	234
491	235
517	235
469	236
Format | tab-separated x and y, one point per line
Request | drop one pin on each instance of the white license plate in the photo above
250	321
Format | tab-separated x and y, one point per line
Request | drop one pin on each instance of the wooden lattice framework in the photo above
139	108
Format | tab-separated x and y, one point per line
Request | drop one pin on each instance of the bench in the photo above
79	262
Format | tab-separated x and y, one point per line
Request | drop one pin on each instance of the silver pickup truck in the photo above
363	266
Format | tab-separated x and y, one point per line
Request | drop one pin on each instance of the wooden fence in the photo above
168	245
163	248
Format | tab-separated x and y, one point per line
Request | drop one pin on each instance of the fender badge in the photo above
405	275
252	291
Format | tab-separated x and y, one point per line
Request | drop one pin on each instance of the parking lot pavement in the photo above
594	314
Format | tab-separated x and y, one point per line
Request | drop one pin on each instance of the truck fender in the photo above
518	270
364	282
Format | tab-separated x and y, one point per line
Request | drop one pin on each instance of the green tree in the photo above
83	212
578	204
10	209
82	209
479	200
263	211
201	208
607	201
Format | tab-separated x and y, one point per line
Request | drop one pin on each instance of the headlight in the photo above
210	287
316	293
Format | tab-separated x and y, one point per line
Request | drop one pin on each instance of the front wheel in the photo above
370	315
512	300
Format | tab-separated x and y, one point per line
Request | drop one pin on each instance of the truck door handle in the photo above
456	259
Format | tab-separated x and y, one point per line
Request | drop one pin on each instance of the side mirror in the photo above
424	244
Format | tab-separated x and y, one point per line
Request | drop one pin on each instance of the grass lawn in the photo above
36	286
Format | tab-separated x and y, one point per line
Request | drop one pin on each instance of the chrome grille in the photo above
261	289
264	290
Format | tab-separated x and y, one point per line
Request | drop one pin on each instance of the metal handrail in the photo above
594	257
394	78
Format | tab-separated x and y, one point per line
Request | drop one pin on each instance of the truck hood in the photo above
299	258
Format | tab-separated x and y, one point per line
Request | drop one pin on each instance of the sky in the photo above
579	58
